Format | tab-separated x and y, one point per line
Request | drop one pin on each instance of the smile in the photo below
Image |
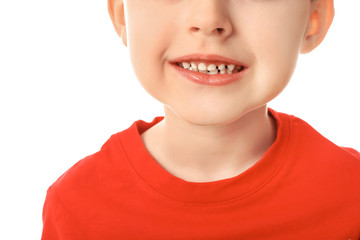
212	70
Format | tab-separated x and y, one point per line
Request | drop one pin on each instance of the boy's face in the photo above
266	36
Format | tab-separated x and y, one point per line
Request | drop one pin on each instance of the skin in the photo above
211	133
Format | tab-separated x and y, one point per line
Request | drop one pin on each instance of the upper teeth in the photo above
210	69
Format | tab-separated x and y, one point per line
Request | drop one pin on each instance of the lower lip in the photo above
207	79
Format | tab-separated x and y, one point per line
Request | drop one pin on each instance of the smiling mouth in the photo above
209	69
212	74
212	68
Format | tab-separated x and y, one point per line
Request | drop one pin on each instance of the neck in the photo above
208	153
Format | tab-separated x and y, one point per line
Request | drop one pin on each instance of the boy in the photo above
219	165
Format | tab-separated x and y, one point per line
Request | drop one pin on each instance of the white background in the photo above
66	85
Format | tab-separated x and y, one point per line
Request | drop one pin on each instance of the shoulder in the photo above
92	171
77	194
320	154
109	167
309	137
322	170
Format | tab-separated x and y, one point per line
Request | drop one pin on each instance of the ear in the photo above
117	15
322	15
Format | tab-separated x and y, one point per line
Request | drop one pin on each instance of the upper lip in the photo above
206	58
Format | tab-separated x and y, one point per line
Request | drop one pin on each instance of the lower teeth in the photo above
217	71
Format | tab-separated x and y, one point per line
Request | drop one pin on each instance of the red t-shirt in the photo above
304	187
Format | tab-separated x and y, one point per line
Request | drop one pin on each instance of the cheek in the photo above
276	57
148	40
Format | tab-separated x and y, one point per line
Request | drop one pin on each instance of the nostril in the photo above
220	30
195	29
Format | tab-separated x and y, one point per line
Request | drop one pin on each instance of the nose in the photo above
210	18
